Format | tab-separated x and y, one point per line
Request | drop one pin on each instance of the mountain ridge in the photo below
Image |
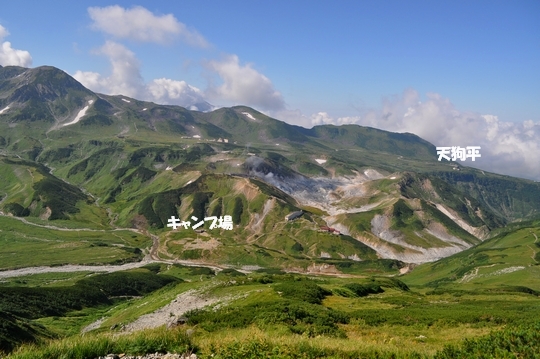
386	190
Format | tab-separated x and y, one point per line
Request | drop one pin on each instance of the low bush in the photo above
272	271
300	350
38	302
512	342
15	330
362	290
303	290
232	272
300	318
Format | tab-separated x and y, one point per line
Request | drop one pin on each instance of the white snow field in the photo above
248	115
79	115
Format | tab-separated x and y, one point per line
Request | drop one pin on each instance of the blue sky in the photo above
406	66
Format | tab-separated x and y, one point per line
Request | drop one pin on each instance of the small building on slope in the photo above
293	215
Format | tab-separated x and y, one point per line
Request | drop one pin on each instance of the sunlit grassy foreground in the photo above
276	342
92	346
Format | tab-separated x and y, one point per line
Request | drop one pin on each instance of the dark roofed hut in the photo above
293	215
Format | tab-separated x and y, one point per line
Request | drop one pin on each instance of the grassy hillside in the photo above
29	189
507	262
505	196
24	244
22	306
291	316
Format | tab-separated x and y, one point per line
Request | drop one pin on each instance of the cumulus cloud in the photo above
242	84
323	118
174	92
10	56
125	79
295	117
3	32
507	147
141	24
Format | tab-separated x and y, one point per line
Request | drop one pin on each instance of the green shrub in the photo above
344	292
201	271
265	279
199	204
512	342
17	210
297	247
300	350
362	290
299	317
38	302
153	267
238	209
15	330
232	272
272	271
216	211
146	209
304	290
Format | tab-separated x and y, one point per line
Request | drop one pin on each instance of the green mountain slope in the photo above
507	260
118	161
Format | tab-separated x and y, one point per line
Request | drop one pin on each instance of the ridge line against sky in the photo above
361	62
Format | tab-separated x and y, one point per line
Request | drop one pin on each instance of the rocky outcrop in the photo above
183	303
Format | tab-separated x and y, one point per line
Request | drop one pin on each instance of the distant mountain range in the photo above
70	154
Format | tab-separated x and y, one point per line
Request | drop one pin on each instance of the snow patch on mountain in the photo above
4	110
79	115
248	115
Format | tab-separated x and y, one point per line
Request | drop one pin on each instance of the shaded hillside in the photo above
508	197
41	194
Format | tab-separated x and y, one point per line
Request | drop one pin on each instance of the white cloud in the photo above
3	32
173	92
244	85
323	118
507	147
140	24
295	117
10	56
125	78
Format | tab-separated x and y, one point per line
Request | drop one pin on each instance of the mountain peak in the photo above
44	93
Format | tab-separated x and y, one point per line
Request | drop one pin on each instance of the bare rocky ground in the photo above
170	314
